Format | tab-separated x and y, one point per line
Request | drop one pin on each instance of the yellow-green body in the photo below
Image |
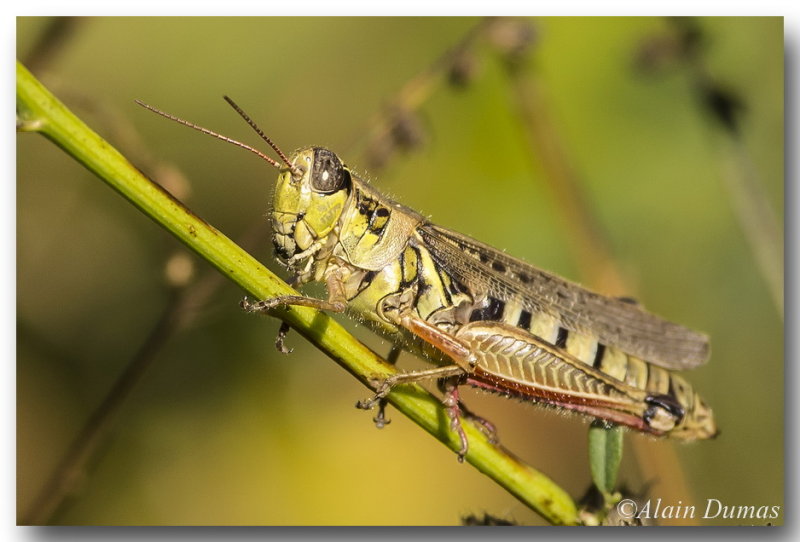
524	332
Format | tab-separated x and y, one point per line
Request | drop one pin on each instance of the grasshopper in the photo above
481	316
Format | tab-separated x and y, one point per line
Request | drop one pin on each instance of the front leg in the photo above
336	302
267	305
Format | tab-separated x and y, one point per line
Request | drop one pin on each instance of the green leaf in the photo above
605	454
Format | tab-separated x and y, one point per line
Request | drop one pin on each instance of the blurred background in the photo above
638	156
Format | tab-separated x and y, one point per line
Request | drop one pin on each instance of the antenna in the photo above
255	127
255	151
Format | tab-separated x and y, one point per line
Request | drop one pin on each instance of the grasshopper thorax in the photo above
309	199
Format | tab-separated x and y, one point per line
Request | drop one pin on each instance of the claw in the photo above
382	390
257	306
365	404
452	374
279	340
380	419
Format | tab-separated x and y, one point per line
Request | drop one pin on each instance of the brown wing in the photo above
615	322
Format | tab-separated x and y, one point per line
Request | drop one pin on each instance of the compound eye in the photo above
328	175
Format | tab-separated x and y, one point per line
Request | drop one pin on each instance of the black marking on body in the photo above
598	355
404	272
402	262
524	320
282	252
369	276
561	339
461	286
498	266
444	279
493	312
423	286
670	404
452	285
366	205
378	220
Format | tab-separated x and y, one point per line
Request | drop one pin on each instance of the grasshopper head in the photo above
309	199
313	187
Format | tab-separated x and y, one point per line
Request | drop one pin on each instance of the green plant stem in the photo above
39	111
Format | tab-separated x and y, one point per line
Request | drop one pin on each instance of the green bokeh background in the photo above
222	429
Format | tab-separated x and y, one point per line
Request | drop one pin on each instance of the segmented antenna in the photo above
255	151
255	127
